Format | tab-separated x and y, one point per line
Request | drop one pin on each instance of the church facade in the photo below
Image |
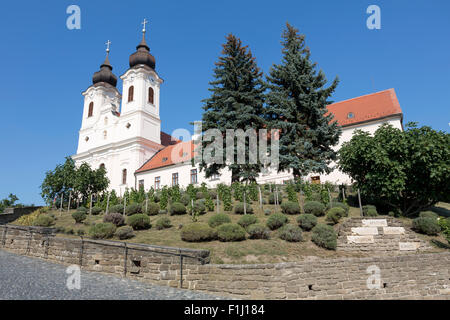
122	132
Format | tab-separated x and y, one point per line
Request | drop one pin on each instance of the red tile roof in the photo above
365	108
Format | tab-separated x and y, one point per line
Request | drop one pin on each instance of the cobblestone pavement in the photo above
27	278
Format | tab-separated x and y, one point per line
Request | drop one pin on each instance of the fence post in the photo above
360	206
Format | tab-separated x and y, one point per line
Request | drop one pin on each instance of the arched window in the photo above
124	176
91	109
130	93
150	95
102	166
105	135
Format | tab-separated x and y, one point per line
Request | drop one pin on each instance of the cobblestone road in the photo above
34	279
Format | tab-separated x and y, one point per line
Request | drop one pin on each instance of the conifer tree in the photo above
236	102
297	105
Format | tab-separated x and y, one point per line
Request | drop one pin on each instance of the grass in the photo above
248	251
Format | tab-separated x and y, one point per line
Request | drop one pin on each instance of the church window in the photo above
105	134
150	95
315	180
157	182
215	177
194	176
130	93
102	166
86	139
128	125
91	109
106	121
175	179
124	176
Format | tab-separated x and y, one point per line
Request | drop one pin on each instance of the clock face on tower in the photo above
152	80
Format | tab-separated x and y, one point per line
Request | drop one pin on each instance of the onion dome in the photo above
105	74
142	55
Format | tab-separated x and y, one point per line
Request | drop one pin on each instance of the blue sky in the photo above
46	66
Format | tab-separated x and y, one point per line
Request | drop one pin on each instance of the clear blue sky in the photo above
45	66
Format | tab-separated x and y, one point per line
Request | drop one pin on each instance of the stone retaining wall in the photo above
415	276
12	214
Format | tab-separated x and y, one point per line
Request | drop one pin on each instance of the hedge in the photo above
139	221
230	232
198	232
426	225
43	221
102	231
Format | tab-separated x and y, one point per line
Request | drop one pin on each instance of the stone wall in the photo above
12	214
414	276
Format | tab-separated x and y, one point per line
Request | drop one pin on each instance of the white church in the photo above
123	133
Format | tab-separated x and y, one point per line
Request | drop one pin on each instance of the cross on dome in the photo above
108	43
144	23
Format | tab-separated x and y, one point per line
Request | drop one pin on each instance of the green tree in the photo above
236	103
89	181
60	180
297	106
8	202
407	171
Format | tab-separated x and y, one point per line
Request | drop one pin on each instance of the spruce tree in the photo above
236	102
297	105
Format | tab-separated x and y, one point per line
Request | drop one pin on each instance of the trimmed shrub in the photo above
199	206
185	199
96	211
133	209
115	218
118	208
198	232
369	210
139	221
200	195
83	210
157	197
162	211
230	232
125	232
218	219
258	231
177	208
340	205
247	220
426	225
213	194
43	221
267	212
79	216
272	198
335	214
276	221
428	214
290	208
152	208
163	223
290	233
102	231
314	207
239	208
307	221
324	236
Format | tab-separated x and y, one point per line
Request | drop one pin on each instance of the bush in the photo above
199	206
185	199
118	208
139	221
267	212
102	230
177	208
428	214
230	232
83	210
133	209
213	194
218	219
307	221
276	221
43	221
324	236
200	195
79	216
96	211
247	220
426	225
125	232
152	208
163	223
340	205
115	218
239	208
290	233
272	198
369	210
198	232
258	231
335	214
162	211
290	207
314	207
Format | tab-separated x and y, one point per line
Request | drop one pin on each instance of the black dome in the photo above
105	74
142	55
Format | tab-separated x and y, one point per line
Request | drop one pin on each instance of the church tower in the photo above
101	102
140	101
